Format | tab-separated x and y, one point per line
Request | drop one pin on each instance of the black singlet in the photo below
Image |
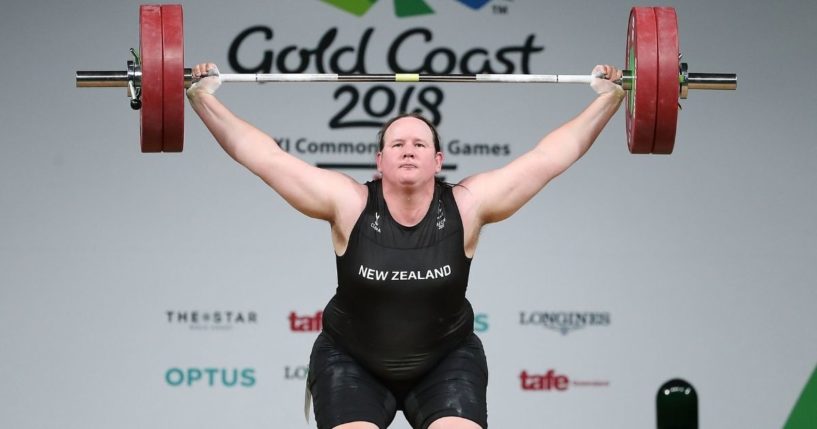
400	304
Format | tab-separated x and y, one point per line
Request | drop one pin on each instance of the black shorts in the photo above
343	391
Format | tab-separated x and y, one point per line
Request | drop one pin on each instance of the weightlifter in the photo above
398	334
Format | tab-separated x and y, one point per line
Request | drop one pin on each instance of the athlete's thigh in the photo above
343	392
455	387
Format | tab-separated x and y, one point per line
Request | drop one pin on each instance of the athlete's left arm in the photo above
497	194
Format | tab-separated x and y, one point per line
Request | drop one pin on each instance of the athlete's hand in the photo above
206	79
603	80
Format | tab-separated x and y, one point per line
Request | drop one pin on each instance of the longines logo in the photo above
553	381
296	372
564	321
211	320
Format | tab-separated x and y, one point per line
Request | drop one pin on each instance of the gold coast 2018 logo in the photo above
420	48
402	8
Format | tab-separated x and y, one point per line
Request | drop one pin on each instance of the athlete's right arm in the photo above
316	192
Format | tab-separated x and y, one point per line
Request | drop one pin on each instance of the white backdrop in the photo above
175	290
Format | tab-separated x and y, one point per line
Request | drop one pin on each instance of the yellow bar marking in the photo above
407	77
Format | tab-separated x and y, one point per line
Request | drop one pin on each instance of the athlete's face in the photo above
408	156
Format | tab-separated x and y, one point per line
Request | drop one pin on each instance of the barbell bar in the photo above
121	79
654	78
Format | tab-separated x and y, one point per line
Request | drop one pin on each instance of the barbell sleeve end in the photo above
102	79
713	81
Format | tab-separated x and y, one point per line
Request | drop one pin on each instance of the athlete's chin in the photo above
409	176
412	178
407	182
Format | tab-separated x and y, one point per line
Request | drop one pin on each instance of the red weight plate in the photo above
173	78
151	52
666	120
642	60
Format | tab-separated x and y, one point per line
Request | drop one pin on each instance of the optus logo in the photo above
481	322
210	377
402	8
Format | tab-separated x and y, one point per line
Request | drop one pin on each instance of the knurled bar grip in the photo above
405	77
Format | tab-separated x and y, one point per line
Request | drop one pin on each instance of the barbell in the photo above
654	78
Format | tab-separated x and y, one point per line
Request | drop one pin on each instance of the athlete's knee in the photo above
453	423
358	425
